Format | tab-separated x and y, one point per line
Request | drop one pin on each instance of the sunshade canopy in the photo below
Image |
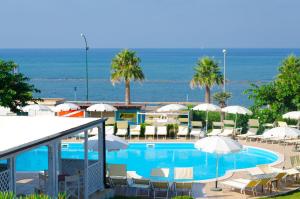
112	143
206	107
101	108
282	132
218	144
66	107
295	115
172	108
237	110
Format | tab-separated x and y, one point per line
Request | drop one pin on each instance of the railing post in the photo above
86	165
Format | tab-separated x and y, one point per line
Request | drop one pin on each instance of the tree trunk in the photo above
207	94
127	92
222	105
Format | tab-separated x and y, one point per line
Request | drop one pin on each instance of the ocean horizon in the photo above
57	71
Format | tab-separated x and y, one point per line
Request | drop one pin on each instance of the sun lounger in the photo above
282	124
183	174
110	121
160	172
161	131
197	130
109	130
159	187
150	131
72	186
253	125
117	170
122	128
217	129
183	131
141	184
243	185
227	131
135	130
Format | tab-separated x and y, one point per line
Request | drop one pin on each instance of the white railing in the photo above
94	178
4	181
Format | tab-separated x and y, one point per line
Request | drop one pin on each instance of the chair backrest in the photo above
253	123
264	182
219	125
183	185
117	170
150	129
252	131
183	173
110	121
282	124
183	129
119	181
161	129
183	120
197	124
160	185
228	122
122	124
135	127
297	159
109	130
279	176
141	181
253	183
160	172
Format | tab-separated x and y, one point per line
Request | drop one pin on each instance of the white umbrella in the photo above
36	107
112	143
236	110
172	108
282	133
66	107
207	107
219	145
101	108
294	115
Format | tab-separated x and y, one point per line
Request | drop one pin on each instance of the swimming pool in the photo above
142	157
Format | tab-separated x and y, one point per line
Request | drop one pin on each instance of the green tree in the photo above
207	74
221	98
125	67
15	91
279	96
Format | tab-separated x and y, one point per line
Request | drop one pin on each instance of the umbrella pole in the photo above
234	131
216	188
206	121
284	152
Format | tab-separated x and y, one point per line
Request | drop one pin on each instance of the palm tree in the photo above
125	67
221	98
207	74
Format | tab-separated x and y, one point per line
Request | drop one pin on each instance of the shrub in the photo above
182	197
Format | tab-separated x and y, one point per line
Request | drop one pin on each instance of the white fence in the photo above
4	181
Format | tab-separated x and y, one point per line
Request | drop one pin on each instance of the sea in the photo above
61	73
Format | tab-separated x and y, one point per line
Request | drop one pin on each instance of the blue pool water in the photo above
141	158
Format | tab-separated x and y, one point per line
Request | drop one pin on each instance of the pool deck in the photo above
202	190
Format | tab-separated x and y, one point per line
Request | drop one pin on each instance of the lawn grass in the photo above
293	195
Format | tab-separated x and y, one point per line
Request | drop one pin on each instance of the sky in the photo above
150	23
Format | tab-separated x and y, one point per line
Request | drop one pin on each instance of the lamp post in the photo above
86	67
224	84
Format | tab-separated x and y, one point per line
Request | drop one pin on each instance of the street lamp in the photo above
224	87
86	67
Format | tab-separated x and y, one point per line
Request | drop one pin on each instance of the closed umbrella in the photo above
101	108
219	145
112	143
236	110
172	108
207	107
66	107
36	107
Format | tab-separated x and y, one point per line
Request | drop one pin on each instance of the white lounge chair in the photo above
197	130
135	130
149	131
253	125
217	129
161	131
122	128
183	131
242	184
228	129
109	130
183	174
141	184
160	172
